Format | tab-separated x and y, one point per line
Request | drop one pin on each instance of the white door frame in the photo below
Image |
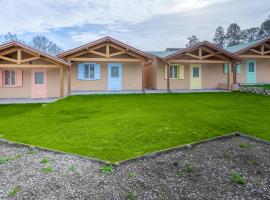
115	83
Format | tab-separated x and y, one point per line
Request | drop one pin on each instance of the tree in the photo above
233	35
192	40
251	34
43	44
11	37
266	27
220	37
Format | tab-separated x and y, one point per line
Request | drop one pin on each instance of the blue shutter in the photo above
225	69
97	71
238	69
80	71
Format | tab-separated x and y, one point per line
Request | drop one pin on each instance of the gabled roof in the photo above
31	49
102	40
240	48
207	44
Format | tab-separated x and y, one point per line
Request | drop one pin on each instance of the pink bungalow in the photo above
28	73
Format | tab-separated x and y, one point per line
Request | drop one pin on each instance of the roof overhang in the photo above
34	51
206	44
267	39
145	55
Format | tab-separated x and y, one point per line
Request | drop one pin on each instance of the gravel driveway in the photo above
231	168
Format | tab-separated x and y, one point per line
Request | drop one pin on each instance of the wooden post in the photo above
19	56
61	81
68	75
229	74
143	87
234	73
168	77
107	51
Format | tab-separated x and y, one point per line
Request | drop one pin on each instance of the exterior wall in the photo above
262	71
150	75
18	92
212	77
24	91
131	77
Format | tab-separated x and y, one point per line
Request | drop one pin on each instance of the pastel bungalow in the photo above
106	65
256	66
201	66
28	73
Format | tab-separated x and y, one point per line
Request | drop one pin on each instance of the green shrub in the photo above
106	169
71	168
44	160
3	160
130	196
237	178
46	170
14	191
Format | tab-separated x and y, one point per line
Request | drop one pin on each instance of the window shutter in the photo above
80	71
181	71
18	75
1	77
238	69
97	71
166	72
225	69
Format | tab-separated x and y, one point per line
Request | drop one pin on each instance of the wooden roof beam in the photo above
8	59
256	51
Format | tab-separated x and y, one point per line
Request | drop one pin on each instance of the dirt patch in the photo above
231	168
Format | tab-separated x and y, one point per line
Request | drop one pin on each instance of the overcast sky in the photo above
145	24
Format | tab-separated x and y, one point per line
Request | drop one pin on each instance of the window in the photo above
89	71
92	71
86	71
174	71
10	77
196	72
39	78
114	72
251	67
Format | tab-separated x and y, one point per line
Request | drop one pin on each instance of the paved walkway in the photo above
146	91
27	100
49	100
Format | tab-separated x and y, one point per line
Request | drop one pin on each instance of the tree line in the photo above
233	35
38	42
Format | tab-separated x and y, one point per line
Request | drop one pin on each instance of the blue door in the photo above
251	71
114	76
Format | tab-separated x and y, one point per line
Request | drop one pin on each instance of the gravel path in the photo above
202	172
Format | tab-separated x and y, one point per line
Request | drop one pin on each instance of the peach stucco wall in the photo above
24	91
131	77
212	77
262	71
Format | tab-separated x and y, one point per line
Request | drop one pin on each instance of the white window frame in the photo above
91	76
175	71
10	84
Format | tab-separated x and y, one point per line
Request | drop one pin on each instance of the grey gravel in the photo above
200	172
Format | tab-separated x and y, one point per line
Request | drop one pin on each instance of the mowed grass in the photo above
264	86
118	127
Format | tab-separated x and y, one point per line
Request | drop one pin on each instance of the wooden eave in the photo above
18	48
206	51
72	55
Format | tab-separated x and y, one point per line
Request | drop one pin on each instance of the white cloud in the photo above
22	16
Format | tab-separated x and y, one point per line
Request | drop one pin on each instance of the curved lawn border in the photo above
142	157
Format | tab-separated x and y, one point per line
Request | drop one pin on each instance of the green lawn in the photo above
117	127
265	86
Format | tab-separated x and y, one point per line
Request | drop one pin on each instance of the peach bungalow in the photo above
28	73
256	66
106	65
202	66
